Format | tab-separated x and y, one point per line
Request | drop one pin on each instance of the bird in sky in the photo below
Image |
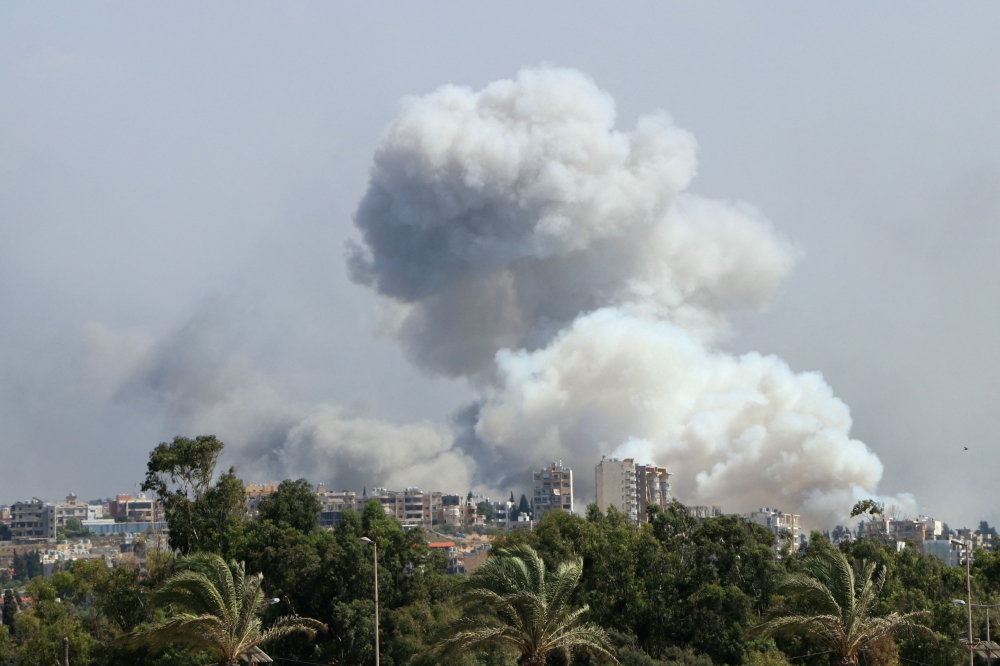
966	448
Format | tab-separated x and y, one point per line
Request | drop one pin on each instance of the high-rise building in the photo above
631	488
411	506
616	486
553	489
652	488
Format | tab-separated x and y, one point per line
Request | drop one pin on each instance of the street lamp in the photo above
968	588
987	607
372	543
271	602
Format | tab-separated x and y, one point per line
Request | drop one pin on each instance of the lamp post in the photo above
966	546
987	607
375	545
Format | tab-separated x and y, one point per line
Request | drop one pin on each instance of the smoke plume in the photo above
557	263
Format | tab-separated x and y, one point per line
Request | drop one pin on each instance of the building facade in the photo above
258	491
73	508
784	525
33	521
141	509
652	488
553	489
617	487
412	507
703	512
334	505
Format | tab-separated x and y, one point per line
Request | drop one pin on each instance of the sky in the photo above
178	183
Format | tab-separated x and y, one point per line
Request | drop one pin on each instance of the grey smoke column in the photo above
553	260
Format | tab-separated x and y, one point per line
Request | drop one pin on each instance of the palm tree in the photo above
511	601
833	604
216	606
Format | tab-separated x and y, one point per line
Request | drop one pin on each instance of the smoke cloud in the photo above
521	241
557	263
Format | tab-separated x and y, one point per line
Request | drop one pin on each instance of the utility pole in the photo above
65	651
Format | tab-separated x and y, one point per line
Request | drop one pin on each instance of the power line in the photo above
814	654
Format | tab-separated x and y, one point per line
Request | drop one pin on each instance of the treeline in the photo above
672	591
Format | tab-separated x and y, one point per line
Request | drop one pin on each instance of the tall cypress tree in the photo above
9	608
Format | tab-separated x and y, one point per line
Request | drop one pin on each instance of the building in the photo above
258	491
334	505
72	508
652	488
412	507
784	525
933	529
141	509
944	550
703	512
553	489
631	488
616	486
33	521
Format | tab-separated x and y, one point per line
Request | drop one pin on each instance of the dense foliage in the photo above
672	591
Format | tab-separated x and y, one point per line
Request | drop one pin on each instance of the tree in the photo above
511	601
9	608
485	509
215	606
294	504
200	516
832	603
524	507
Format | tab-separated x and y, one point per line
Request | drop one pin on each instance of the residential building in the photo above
616	486
933	529
33	521
73	508
784	525
944	550
411	506
334	505
553	489
978	540
256	492
652	488
141	509
703	512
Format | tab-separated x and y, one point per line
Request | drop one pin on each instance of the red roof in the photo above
441	544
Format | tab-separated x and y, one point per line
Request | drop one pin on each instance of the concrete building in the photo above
631	488
139	509
617	487
334	505
258	491
33	521
944	551
652	488
73	508
781	523
553	489
412	507
703	512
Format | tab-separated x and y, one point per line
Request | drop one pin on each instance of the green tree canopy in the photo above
294	504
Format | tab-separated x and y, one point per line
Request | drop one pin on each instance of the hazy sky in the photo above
177	184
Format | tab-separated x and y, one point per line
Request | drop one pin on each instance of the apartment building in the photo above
334	505
616	486
553	489
703	512
258	491
33	521
780	523
652	488
139	509
412	507
73	508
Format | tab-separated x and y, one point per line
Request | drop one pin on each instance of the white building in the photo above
616	486
781	523
72	508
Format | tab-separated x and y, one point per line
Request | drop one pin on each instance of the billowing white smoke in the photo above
555	262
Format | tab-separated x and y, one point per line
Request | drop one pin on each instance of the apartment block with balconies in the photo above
553	489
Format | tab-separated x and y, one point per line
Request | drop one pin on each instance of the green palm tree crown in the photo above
833	603
215	606
511	601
